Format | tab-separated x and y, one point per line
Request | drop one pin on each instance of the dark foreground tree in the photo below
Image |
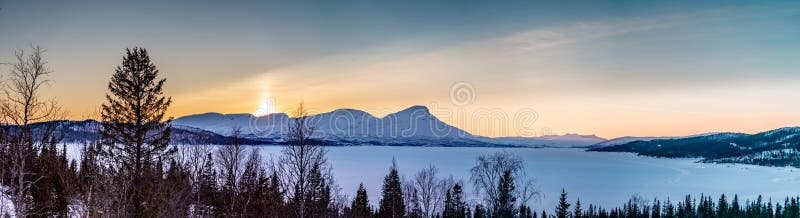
392	205
489	169
29	171
135	132
299	159
360	207
562	209
454	205
505	204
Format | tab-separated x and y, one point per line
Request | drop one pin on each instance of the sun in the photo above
267	106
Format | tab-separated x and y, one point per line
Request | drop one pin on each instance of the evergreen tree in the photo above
656	210
562	209
134	130
207	188
273	204
735	208
391	204
479	212
454	205
578	211
504	206
360	207
317	198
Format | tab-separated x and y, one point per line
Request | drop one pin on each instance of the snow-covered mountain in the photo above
779	147
624	140
412	126
561	141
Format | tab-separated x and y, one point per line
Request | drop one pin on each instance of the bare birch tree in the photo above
230	161
429	190
299	157
485	177
22	105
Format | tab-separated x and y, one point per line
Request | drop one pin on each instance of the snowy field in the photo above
607	179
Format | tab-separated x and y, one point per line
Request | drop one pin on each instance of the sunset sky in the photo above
611	68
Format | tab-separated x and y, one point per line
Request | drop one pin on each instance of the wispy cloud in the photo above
540	38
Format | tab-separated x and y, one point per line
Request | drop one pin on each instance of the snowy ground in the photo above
6	206
607	179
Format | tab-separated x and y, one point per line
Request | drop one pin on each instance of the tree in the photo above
207	188
488	170
21	107
562	209
317	199
135	132
454	205
175	191
230	159
391	204
360	207
430	190
479	212
505	204
252	185
300	155
578	211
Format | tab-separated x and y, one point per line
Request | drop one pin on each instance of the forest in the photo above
130	169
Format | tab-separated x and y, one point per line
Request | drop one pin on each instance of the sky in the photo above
495	68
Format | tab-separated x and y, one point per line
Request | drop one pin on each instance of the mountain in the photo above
624	140
780	147
413	126
562	141
88	130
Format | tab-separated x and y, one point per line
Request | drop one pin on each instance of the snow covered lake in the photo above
607	179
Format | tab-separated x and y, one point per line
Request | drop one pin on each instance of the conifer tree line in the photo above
132	170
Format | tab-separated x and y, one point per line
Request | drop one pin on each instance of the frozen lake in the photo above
607	179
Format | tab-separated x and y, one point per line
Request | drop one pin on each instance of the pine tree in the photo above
207	188
562	209
656	210
360	208
454	205
251	185
479	212
273	197
391	204
134	130
504	206
318	196
578	211
735	208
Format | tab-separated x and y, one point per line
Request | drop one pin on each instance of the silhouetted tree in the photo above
360	207
505	204
135	131
454	205
391	204
562	209
22	106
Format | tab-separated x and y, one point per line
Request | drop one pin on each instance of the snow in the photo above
561	141
625	140
6	205
603	178
414	125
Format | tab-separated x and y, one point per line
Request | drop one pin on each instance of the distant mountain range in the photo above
780	147
414	126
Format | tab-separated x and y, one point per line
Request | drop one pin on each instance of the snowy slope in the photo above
624	140
562	141
412	126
